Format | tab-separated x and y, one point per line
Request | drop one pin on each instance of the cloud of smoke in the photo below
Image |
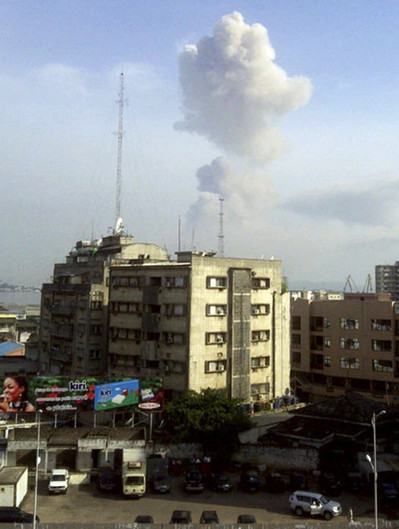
233	90
233	94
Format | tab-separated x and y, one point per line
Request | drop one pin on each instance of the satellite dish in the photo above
119	226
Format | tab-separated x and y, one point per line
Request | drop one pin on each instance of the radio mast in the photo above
119	161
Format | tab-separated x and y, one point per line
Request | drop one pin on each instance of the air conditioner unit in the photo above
219	339
255	311
220	312
221	367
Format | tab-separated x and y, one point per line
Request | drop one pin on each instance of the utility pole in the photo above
221	235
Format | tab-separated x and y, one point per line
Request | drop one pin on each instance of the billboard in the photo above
58	394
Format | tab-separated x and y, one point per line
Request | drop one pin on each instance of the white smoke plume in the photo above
233	90
233	94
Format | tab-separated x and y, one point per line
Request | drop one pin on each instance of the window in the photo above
326	323
216	310
296	339
349	343
96	305
260	282
95	354
175	309
96	329
316	323
296	323
216	282
260	336
174	337
215	366
350	363
382	365
260	389
327	361
349	323
381	345
260	361
296	358
261	309
381	325
119	306
316	343
215	338
124	333
174	282
316	361
327	341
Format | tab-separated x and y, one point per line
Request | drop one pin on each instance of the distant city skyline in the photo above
285	110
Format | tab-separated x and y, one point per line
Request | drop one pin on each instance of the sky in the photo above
285	110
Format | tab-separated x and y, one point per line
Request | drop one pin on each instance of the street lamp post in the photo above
37	467
373	464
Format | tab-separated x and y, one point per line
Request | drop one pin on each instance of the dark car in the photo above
219	482
330	484
275	482
181	517
246	518
194	481
250	481
209	517
16	515
161	483
144	519
388	493
107	479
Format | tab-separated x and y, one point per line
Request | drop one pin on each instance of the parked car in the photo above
161	483
246	518
209	517
181	517
298	481
250	481
274	482
16	515
59	480
315	504
194	481
144	519
388	493
330	484
353	481
219	482
107	479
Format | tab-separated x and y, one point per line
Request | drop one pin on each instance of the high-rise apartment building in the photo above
74	307
387	280
202	321
126	309
348	345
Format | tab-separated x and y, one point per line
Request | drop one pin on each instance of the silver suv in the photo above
302	502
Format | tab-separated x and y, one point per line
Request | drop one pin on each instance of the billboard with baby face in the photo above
56	394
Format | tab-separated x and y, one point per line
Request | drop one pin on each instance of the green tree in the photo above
208	417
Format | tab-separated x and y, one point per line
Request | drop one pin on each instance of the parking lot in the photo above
86	504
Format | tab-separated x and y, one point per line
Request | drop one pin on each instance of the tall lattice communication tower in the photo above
119	160
221	234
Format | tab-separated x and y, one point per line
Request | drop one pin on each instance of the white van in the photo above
302	502
58	481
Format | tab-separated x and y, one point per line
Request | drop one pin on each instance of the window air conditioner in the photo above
255	311
221	367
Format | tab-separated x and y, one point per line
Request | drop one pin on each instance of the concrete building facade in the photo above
202	321
120	308
387	280
347	345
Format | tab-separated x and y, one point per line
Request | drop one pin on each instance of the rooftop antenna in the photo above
119	160
221	235
179	235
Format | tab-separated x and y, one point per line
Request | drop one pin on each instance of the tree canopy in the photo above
209	417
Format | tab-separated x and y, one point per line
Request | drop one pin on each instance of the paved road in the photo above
85	504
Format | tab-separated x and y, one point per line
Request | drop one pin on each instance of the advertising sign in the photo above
56	394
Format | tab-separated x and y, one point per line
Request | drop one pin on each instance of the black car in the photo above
330	484
161	483
250	481
16	515
107	479
194	481
219	482
209	517
246	518
143	519
275	482
181	517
